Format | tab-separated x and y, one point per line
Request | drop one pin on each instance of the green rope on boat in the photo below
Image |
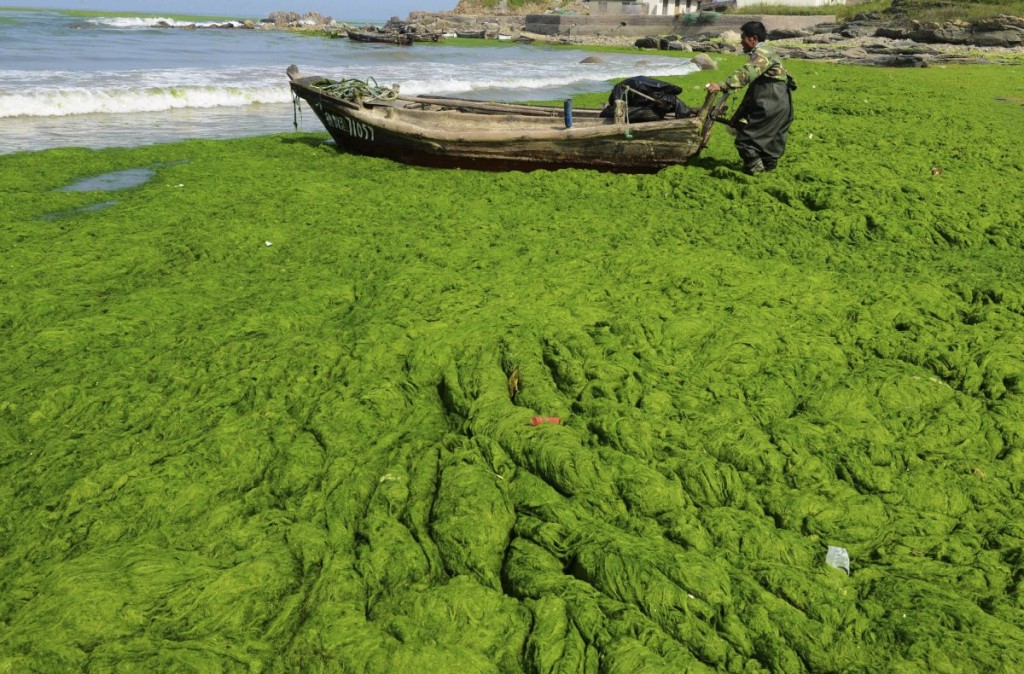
353	89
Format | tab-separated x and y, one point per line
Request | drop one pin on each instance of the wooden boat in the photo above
450	132
404	39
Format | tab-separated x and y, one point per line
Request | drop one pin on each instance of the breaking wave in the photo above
56	103
157	22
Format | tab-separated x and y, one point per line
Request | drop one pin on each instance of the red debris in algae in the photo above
537	421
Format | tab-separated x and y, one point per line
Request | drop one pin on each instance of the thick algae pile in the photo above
257	415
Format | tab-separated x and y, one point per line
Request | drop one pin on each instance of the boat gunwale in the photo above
373	113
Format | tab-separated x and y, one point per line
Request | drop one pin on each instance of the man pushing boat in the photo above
767	105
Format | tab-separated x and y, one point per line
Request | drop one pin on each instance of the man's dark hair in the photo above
754	29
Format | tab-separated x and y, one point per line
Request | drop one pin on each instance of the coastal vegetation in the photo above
916	10
272	410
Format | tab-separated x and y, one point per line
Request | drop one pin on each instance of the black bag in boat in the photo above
647	99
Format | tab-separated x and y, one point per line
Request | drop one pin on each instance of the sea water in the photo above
115	81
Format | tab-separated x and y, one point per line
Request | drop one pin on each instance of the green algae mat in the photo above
270	410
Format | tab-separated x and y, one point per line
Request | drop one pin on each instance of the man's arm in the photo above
750	71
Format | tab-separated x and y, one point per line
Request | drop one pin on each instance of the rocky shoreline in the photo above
874	51
868	39
871	40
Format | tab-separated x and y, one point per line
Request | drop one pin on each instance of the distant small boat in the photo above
404	39
471	34
522	38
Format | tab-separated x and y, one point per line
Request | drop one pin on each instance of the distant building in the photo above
671	7
675	7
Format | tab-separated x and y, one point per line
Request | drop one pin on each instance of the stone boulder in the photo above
705	62
998	31
941	33
296	20
788	33
853	29
665	43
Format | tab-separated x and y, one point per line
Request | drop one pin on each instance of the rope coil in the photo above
353	90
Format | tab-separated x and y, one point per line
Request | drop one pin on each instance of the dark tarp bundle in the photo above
647	99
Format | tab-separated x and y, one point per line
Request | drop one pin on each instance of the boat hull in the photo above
453	133
402	39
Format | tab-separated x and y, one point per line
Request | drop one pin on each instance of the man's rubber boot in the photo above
752	166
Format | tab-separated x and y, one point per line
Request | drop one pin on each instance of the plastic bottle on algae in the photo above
838	558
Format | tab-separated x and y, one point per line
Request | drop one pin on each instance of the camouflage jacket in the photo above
764	62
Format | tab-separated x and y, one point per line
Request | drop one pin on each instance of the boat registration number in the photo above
349	126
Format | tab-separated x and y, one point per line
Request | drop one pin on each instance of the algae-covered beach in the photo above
269	411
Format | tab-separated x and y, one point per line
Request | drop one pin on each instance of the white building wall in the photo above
671	7
675	7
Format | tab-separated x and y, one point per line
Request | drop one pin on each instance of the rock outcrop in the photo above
871	38
998	31
879	40
296	20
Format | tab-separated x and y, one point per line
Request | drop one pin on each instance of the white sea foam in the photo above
120	101
157	22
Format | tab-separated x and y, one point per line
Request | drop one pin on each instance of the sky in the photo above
341	10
